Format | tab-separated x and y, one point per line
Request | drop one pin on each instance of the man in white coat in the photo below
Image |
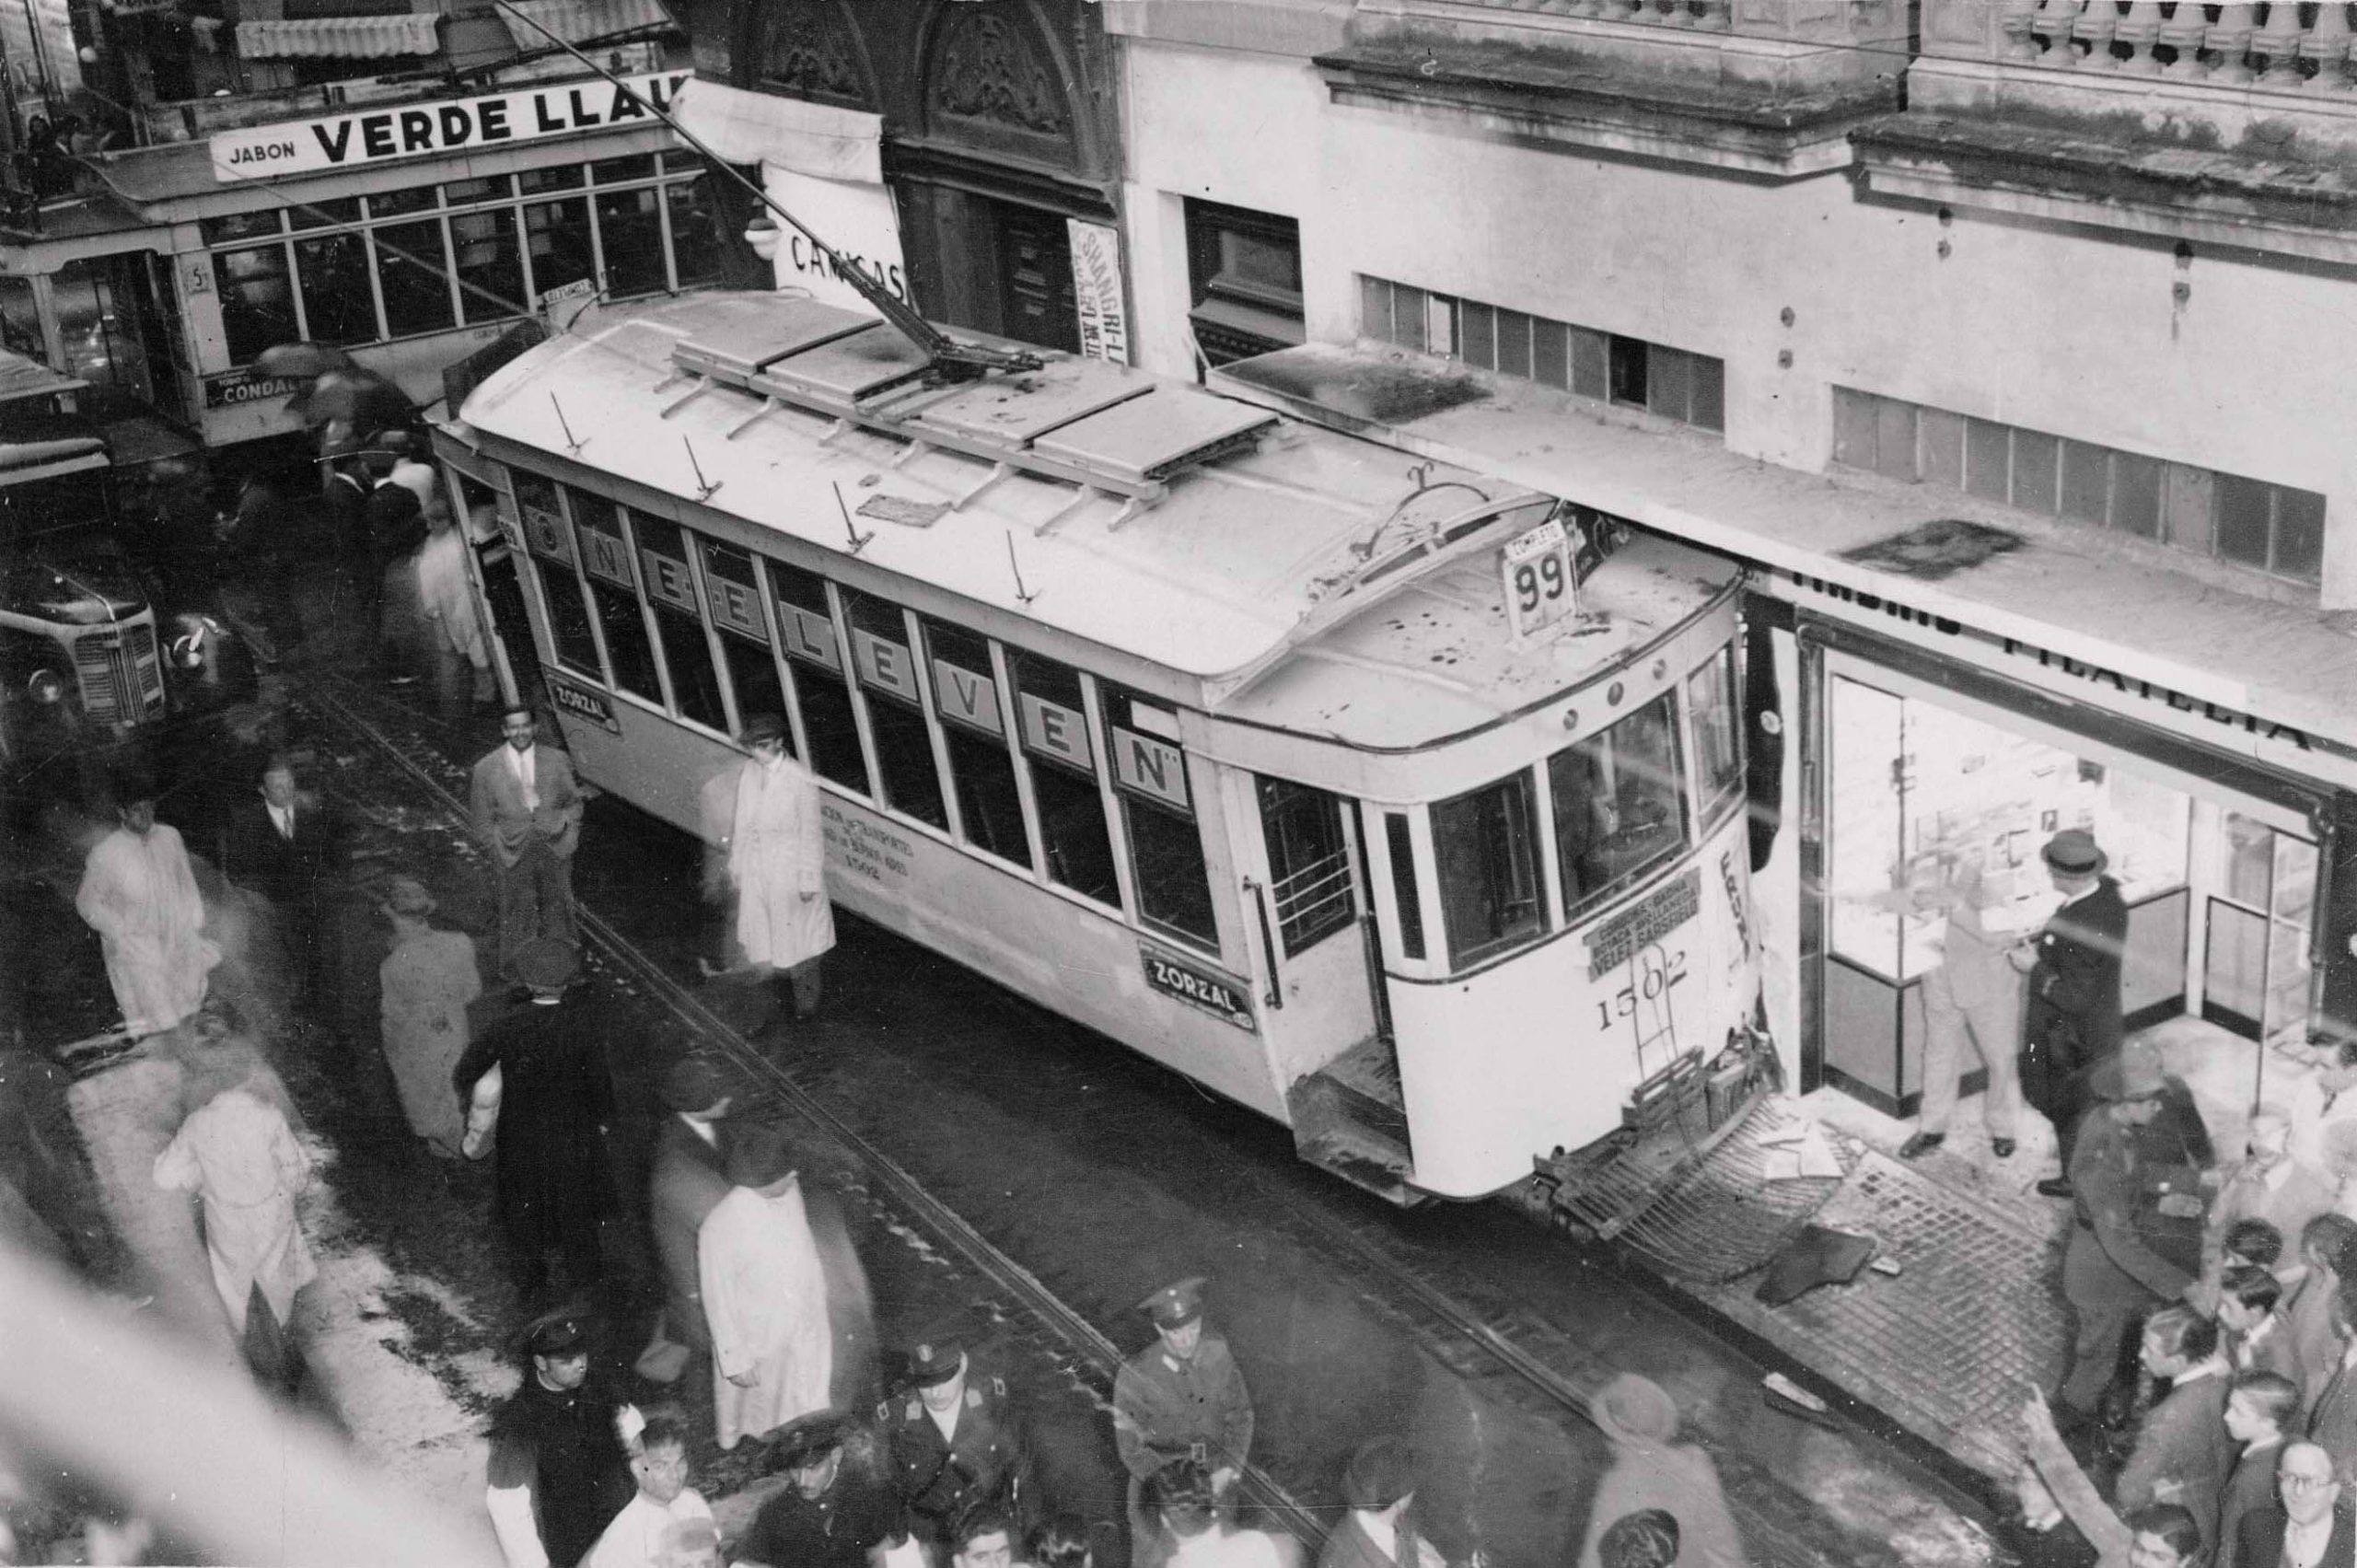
764	1293
777	859
139	895
236	1154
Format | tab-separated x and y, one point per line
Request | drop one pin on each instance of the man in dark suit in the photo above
2332	1420
2258	1410
1380	1528
2183	1452
527	811
2073	1019
278	845
688	1180
2308	1526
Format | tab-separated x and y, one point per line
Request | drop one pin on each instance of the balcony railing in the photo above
1703	16
2270	45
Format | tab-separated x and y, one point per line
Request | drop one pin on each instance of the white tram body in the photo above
1204	726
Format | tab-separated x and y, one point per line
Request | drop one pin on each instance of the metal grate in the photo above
150	668
109	684
1714	1217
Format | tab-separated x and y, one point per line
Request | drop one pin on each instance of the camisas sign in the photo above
371	137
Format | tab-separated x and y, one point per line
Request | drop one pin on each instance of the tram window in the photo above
413	271
257	300
1402	845
1165	841
630	230
1619	805
678	620
808	629
1718	761
556	236
887	673
491	266
614	591
964	693
695	247
338	306
1310	864
568	611
1485	849
734	590
1052	716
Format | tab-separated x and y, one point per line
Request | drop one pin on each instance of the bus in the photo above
1396	803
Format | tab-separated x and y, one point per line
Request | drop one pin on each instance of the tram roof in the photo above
1242	562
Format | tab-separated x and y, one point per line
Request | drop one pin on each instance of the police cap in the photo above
808	1439
560	1332
546	963
1175	1306
935	1359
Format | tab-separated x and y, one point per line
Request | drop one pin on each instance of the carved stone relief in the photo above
810	50
984	68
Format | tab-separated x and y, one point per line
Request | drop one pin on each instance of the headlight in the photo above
45	687
188	648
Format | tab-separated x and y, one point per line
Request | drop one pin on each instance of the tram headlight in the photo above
45	687
196	631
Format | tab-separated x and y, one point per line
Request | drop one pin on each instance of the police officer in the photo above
954	1443
1181	1397
834	1511
559	1471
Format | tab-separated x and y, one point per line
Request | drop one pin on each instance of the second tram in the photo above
1396	803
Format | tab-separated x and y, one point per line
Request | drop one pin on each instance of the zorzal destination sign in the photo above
365	137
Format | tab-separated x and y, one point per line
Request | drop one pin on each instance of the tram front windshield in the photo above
1619	810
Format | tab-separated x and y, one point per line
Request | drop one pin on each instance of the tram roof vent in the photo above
1084	421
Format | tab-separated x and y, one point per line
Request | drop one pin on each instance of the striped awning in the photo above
574	21
341	38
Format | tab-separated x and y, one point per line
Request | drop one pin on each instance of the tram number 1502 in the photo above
1538	577
1653	974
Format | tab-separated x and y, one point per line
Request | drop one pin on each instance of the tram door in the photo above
1307	919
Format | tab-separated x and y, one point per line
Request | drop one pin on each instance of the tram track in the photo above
1555	1374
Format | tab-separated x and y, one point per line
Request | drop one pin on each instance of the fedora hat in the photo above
2075	852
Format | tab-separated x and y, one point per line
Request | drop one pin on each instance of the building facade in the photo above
1999	353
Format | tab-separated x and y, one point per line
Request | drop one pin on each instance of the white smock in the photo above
139	895
777	858
766	1301
236	1154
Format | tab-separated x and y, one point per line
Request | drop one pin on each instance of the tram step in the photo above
1349	1118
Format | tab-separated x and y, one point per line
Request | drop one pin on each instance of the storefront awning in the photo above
2067	612
574	21
340	38
815	139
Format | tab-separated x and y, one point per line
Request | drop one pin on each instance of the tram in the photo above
1396	803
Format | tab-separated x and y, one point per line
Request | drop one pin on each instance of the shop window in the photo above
734	590
1718	756
1244	268
401	203
1400	841
886	666
613	593
630	231
324	214
670	581
338	305
1052	716
490	265
981	767
807	627
467	192
575	644
1619	806
414	272
1166	860
557	177
618	170
557	237
2269	527
1486	852
1606	366
1309	862
695	233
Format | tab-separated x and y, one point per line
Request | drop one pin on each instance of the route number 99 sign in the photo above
1538	579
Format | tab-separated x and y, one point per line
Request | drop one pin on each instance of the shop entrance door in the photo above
2255	962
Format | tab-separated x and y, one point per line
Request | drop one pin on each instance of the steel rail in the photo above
1076	1332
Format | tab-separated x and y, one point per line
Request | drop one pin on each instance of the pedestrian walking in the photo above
832	1512
2182	1453
396	522
953	1444
527	811
236	1154
1652	1469
1379	1529
1972	998
667	1521
2260	1408
2074	1018
777	860
423	987
764	1293
280	844
687	1179
538	1078
1181	1397
2110	1274
455	654
139	894
559	1471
